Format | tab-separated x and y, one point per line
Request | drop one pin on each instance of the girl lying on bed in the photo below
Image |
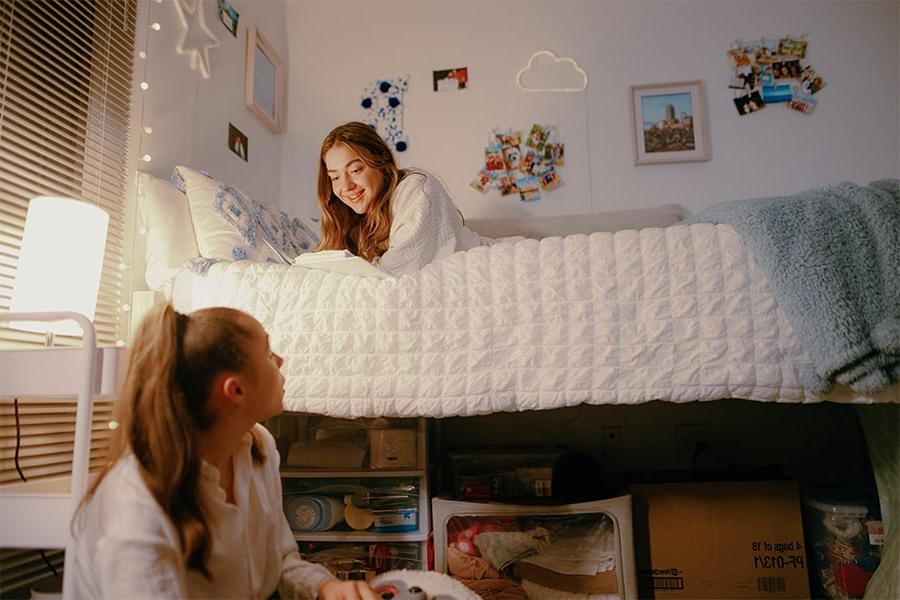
189	505
399	219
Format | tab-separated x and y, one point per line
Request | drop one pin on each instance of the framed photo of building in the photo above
669	122
264	81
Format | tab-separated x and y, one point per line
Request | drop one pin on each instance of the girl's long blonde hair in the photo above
365	235
164	405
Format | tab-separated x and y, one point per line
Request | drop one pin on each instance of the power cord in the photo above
25	479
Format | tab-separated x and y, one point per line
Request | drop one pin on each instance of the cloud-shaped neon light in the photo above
545	67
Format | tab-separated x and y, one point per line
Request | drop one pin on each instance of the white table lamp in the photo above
60	264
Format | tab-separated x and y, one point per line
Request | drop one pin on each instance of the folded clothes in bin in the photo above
313	512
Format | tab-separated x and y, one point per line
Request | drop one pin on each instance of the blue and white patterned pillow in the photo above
230	225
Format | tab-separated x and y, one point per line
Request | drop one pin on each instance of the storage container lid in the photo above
844	508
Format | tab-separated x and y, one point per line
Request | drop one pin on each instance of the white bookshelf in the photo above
419	474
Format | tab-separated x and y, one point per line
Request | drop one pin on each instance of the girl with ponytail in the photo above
189	504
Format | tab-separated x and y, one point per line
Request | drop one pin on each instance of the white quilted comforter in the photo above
678	314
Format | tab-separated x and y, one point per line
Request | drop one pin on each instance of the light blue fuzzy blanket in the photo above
832	255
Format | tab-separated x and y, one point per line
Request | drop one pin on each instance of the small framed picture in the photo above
264	81
237	142
669	122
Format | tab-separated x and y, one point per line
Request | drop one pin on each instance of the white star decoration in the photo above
196	37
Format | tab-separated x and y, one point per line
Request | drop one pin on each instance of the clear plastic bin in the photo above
844	542
363	560
503	473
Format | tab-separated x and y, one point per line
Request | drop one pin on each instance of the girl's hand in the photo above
336	589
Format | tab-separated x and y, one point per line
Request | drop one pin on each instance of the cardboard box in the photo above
393	448
719	540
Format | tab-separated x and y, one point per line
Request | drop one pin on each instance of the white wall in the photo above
189	114
337	48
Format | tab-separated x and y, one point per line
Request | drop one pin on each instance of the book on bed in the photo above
340	261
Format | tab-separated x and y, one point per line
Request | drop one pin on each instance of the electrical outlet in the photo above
688	435
611	441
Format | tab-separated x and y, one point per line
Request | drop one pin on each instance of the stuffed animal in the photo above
420	585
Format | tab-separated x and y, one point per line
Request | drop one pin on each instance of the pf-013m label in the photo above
777	555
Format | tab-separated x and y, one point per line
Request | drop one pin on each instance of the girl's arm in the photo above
417	230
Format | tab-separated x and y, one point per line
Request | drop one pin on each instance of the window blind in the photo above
65	100
65	85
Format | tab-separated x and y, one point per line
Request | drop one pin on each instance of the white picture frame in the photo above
669	122
264	81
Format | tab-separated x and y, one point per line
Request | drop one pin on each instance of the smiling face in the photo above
353	181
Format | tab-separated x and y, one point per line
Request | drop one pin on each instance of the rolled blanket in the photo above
832	255
313	512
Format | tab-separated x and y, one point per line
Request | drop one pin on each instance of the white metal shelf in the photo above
38	514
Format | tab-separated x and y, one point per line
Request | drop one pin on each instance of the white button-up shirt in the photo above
129	548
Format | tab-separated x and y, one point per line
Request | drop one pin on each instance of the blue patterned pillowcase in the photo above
220	210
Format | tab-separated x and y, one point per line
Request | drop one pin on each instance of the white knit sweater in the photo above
426	226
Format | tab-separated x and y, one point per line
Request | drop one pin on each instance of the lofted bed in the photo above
623	310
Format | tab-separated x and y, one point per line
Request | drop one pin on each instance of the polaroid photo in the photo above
493	158
507	185
512	157
482	181
508	137
529	161
773	94
549	179
559	155
738	79
536	137
803	103
738	57
786	69
765	76
448	80
789	46
749	103
767	51
228	16
529	188
810	81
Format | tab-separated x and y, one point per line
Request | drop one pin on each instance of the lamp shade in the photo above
60	263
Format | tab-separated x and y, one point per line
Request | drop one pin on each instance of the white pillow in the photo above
541	227
170	235
230	225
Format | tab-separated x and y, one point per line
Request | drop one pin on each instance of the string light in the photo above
148	130
155	26
145	85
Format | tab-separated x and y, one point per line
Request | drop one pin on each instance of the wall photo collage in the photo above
524	168
771	71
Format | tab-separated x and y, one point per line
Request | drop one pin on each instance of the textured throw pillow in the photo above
230	225
170	239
